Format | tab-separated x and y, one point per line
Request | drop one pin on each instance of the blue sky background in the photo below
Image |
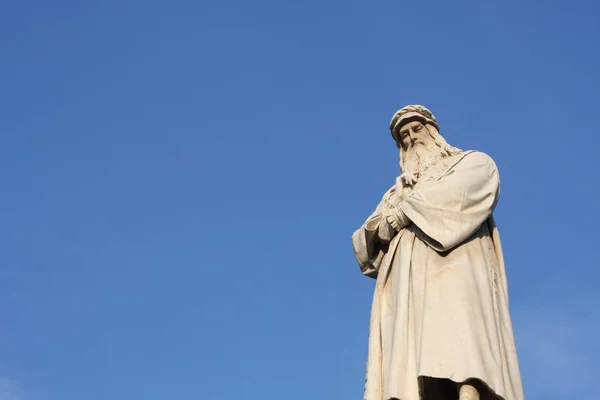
180	181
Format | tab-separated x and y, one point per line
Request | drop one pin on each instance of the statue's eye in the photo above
418	128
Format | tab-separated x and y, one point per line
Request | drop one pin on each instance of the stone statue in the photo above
440	325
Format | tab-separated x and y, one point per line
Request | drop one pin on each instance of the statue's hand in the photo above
397	219
393	223
386	230
408	179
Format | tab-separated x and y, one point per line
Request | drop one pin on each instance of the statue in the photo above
440	326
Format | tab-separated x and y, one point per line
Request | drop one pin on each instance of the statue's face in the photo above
411	134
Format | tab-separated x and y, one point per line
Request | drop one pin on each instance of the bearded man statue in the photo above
440	326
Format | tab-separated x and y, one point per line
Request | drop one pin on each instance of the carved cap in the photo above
412	112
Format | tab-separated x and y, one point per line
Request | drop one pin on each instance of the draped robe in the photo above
440	307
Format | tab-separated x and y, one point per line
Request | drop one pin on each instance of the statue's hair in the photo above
446	150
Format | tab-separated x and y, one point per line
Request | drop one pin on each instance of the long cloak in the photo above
440	307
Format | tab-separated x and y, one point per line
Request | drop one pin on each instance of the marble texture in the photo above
440	325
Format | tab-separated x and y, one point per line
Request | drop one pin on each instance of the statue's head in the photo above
417	135
408	114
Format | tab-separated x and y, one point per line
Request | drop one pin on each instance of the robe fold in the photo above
440	307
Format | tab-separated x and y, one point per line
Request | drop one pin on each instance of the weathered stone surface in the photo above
440	323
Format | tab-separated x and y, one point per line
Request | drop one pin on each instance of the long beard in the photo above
418	159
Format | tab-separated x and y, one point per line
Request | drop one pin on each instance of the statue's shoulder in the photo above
467	158
477	157
450	162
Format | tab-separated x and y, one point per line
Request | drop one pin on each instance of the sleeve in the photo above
368	249
450	209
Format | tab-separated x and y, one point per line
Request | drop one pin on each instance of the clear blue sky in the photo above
180	181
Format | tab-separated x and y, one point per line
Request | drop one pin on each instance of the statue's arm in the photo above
449	210
369	247
368	251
